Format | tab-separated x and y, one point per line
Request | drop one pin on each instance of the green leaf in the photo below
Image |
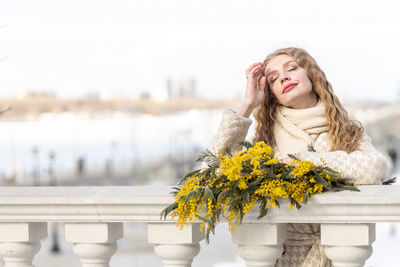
210	227
241	215
390	181
322	181
246	144
262	214
168	210
305	197
206	220
236	201
311	148
218	213
292	201
192	194
263	208
285	173
210	171
257	181
175	191
223	195
293	157
177	188
246	197
209	193
330	172
338	186
206	155
277	203
184	178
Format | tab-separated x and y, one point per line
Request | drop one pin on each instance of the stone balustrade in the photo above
94	217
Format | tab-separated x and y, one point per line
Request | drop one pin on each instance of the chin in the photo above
288	102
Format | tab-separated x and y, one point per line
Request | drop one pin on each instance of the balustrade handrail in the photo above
374	203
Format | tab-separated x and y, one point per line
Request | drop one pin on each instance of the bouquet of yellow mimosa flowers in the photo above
232	185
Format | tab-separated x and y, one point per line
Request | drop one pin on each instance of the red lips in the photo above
288	87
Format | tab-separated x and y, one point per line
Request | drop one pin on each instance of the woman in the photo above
295	107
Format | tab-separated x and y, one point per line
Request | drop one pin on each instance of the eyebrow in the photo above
284	64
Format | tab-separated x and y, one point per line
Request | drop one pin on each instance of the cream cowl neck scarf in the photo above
294	129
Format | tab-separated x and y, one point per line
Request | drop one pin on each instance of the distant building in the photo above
187	87
166	89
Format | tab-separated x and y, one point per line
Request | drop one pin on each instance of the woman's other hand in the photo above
254	94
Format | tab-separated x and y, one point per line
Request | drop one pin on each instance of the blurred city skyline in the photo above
126	48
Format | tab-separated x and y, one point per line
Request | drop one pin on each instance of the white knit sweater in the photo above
363	166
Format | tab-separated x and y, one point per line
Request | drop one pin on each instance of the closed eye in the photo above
274	78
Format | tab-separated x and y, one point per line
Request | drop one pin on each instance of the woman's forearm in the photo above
244	110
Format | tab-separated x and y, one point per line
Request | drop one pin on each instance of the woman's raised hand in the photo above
253	95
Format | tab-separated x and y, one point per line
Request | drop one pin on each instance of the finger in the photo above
259	70
253	66
255	72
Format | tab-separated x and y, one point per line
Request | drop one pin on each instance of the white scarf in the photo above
294	129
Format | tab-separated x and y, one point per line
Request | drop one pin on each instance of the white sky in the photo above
79	46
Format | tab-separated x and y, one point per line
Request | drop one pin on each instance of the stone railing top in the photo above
76	195
144	203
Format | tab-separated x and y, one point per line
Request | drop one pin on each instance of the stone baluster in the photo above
348	245
175	247
19	242
94	243
260	244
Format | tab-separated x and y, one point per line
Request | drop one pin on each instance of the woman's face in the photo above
289	83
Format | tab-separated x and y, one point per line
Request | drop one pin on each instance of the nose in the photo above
284	77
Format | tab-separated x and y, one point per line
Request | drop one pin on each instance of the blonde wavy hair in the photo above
344	133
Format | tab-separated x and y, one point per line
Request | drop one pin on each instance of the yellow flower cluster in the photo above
191	184
232	167
271	161
187	212
209	213
302	168
317	188
233	219
282	189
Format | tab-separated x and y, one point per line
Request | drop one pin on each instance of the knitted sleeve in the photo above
363	166
232	130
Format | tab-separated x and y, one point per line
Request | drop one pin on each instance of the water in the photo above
26	146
